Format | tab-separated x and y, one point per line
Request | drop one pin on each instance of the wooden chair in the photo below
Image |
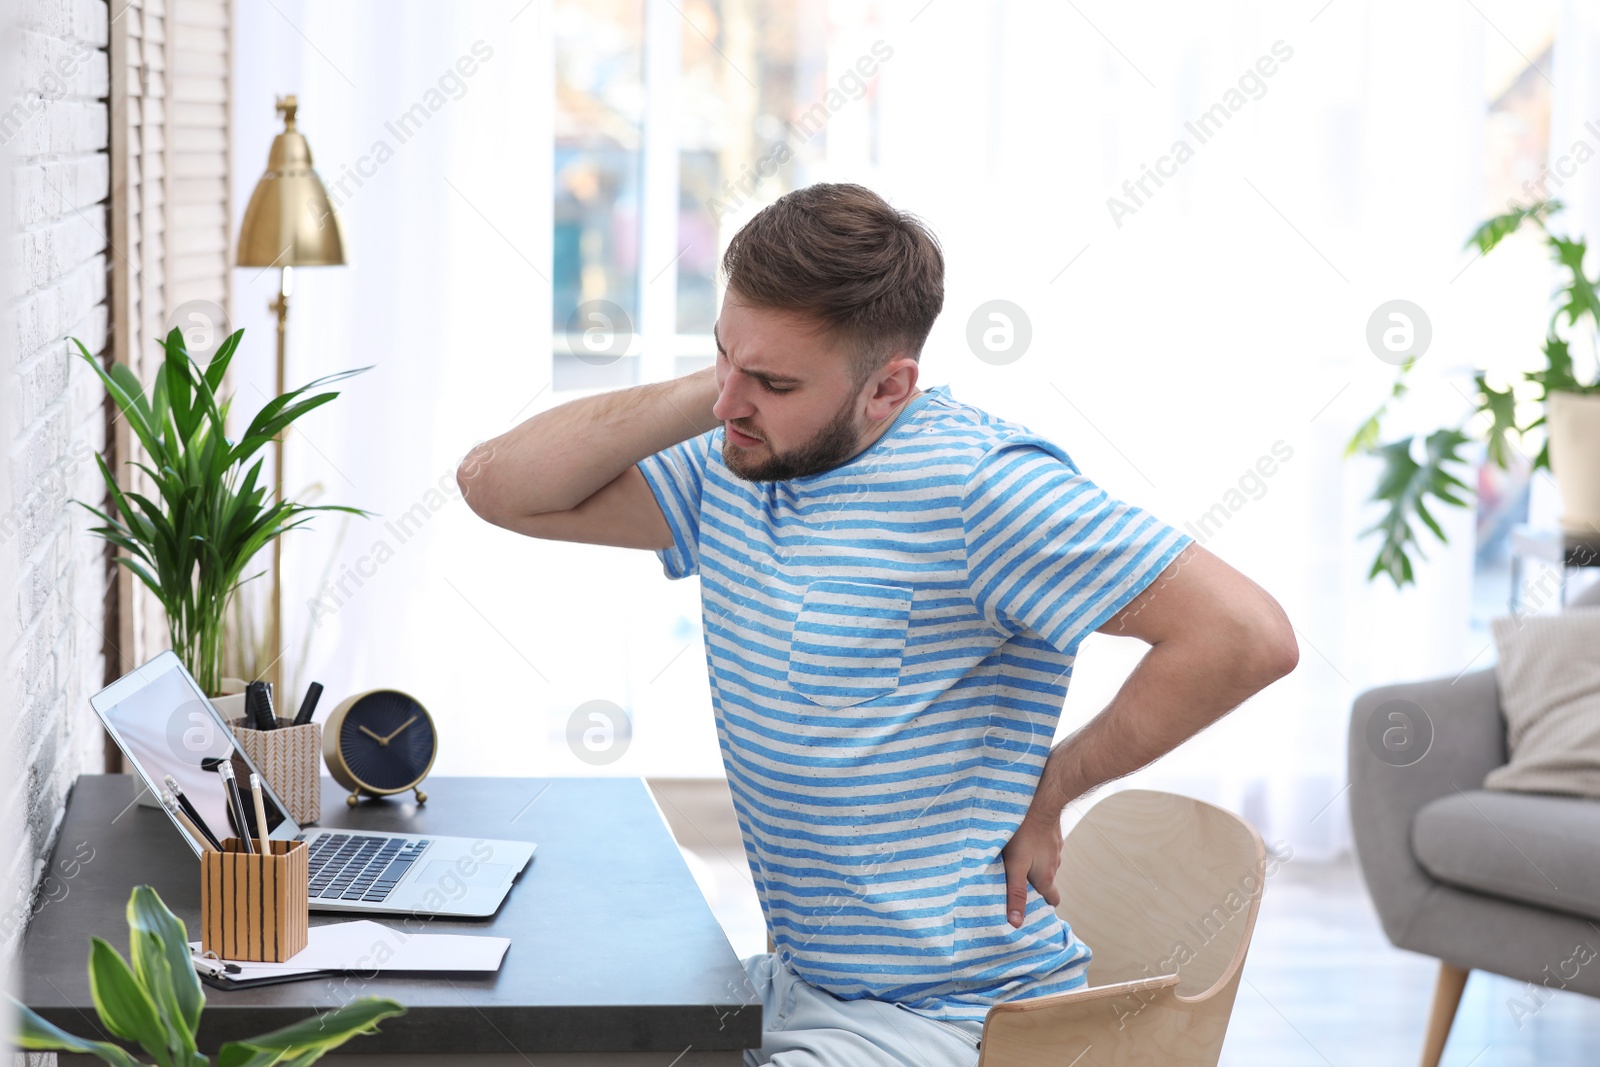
1164	889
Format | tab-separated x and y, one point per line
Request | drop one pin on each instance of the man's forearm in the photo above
1177	690
559	458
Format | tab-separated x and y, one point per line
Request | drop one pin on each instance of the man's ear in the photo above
898	381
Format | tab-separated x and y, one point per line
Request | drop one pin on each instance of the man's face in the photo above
791	387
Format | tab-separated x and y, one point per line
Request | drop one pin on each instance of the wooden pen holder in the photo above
290	759
255	907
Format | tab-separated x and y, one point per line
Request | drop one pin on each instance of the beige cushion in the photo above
1549	675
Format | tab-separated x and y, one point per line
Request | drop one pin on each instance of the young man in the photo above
894	588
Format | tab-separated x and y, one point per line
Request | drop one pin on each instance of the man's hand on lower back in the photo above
1032	855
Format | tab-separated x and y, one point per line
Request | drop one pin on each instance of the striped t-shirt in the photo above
889	643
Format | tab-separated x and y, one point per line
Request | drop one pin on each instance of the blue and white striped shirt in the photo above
889	643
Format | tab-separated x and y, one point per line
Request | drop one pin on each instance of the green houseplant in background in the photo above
211	514
1568	409
156	1003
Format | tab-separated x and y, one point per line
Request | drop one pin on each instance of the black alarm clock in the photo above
379	743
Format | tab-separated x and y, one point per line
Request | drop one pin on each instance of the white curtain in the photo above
1174	345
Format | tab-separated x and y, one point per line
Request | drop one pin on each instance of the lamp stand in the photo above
280	305
289	222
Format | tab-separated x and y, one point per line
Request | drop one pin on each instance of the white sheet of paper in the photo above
366	946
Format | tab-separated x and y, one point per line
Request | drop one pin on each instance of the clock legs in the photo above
355	798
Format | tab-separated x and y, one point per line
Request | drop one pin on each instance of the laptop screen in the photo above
165	726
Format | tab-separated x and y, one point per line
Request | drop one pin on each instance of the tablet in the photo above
164	725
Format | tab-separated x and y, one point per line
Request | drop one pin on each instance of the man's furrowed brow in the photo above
766	376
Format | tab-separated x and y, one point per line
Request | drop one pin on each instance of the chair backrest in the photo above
1155	883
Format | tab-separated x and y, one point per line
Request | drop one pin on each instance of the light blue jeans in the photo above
804	1026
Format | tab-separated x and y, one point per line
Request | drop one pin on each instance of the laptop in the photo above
165	725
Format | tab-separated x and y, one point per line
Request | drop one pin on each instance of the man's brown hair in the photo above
872	276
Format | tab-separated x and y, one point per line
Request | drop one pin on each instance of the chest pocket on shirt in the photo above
848	641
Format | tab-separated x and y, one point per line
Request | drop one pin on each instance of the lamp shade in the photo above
289	221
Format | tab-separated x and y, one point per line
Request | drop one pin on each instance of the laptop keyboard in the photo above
360	866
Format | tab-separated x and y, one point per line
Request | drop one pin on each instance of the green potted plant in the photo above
1568	408
191	544
156	1003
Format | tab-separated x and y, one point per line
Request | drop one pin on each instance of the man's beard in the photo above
829	447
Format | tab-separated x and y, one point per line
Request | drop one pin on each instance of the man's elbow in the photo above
472	477
1272	651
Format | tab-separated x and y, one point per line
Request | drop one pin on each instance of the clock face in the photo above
387	741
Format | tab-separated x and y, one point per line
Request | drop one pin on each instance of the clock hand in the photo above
375	737
397	729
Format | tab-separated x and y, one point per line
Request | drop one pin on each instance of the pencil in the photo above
261	813
186	822
194	816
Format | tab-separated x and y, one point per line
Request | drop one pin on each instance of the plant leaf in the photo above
1368	433
1501	407
1578	296
266	424
144	575
310	1039
159	944
219	362
1404	486
190	540
263	431
1557	377
122	1003
125	391
38	1035
1497	229
180	382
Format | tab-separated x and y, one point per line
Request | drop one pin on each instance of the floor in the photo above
1322	987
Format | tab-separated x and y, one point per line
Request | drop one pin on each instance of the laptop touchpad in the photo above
448	875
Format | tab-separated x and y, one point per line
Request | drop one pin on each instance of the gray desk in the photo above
615	958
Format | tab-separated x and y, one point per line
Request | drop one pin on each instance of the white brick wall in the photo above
54	134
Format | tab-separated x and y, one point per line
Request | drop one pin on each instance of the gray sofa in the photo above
1478	879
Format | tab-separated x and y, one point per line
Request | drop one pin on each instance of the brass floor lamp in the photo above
289	223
